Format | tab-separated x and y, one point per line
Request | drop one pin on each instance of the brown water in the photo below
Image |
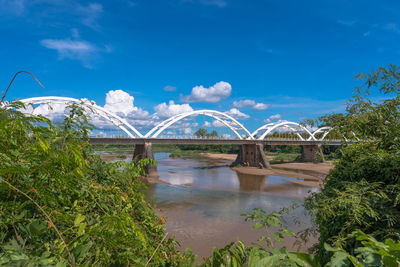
204	202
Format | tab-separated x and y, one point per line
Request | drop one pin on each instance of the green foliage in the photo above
262	253
195	150
202	133
61	205
369	252
363	191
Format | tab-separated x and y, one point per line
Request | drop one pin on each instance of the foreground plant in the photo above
369	252
61	205
362	192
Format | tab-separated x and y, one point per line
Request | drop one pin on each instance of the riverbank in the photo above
309	174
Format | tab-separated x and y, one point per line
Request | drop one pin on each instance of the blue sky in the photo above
289	59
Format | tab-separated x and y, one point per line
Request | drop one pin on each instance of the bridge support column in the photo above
252	155
312	153
144	151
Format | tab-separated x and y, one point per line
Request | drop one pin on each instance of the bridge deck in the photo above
168	141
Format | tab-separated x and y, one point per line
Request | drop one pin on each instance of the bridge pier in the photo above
312	153
252	155
144	151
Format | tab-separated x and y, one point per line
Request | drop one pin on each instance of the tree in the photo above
363	190
201	133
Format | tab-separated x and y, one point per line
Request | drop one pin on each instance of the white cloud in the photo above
121	103
235	113
212	94
250	103
260	106
206	124
90	14
165	110
72	49
273	118
169	88
243	103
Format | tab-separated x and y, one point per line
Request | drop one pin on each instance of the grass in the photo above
281	157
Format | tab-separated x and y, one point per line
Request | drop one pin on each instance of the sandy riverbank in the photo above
309	174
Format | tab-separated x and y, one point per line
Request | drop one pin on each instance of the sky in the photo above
258	60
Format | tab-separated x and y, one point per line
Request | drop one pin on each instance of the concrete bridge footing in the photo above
144	151
252	155
312	153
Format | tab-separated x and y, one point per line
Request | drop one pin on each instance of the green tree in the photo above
363	190
201	133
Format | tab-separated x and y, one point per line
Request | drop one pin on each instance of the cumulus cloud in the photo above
212	94
273	118
250	103
235	113
206	124
121	103
165	110
169	88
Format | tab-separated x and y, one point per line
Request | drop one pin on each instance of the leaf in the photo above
78	219
81	229
257	226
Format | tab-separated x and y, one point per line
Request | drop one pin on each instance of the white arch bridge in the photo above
196	127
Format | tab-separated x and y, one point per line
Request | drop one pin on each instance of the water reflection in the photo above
204	202
202	173
250	182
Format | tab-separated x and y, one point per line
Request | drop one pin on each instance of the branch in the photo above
5	93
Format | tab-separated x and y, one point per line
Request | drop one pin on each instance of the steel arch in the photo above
111	117
153	133
272	126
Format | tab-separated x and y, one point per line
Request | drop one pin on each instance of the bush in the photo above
60	204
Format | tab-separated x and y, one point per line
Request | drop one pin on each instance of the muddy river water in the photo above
202	202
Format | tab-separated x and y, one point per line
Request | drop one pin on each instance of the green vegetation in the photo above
61	205
369	251
363	191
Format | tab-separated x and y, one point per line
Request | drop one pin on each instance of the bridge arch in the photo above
269	127
93	108
159	128
324	130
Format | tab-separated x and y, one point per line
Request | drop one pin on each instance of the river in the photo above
203	201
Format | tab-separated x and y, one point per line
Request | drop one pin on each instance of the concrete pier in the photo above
144	151
312	153
252	155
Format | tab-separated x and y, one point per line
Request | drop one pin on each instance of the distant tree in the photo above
201	133
213	134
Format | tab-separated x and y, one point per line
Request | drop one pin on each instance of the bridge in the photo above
189	128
